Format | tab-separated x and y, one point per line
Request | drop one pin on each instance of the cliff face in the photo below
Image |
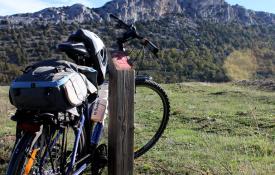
212	10
141	10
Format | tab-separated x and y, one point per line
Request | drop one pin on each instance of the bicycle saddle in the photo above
74	49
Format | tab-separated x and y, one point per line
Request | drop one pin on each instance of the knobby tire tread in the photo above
165	118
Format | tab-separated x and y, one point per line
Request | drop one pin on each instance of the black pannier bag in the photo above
51	86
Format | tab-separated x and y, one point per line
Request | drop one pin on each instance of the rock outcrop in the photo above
217	11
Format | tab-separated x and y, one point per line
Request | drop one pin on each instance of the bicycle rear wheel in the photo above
19	155
152	110
46	154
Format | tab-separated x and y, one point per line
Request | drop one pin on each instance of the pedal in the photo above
100	159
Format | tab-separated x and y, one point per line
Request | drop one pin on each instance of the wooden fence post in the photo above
121	116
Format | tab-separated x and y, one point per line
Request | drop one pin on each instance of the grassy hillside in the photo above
214	129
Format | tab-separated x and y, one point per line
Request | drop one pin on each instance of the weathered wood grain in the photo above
121	123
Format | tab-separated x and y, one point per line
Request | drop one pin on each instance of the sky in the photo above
258	5
8	7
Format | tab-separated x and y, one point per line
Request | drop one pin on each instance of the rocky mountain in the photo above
212	10
75	13
136	10
205	40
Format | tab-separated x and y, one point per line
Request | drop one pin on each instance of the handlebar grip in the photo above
151	46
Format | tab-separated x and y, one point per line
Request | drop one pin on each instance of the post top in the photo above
120	61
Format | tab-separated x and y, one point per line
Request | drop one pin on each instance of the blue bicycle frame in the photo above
94	140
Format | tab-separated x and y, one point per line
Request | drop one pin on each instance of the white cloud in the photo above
9	7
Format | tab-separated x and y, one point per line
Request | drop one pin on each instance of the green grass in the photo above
7	128
213	129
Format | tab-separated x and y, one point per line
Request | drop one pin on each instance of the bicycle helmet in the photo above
97	53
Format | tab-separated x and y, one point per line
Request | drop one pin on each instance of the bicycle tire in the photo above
19	155
23	149
165	116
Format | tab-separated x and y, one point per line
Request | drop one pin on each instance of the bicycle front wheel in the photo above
152	110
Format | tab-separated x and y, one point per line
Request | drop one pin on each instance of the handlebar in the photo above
120	23
131	33
151	46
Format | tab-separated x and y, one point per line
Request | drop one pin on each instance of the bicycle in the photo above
63	143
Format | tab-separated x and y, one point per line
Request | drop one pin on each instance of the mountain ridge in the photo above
202	40
142	10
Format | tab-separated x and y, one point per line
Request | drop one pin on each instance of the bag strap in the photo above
28	69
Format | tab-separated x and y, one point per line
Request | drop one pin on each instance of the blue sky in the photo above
8	7
258	5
